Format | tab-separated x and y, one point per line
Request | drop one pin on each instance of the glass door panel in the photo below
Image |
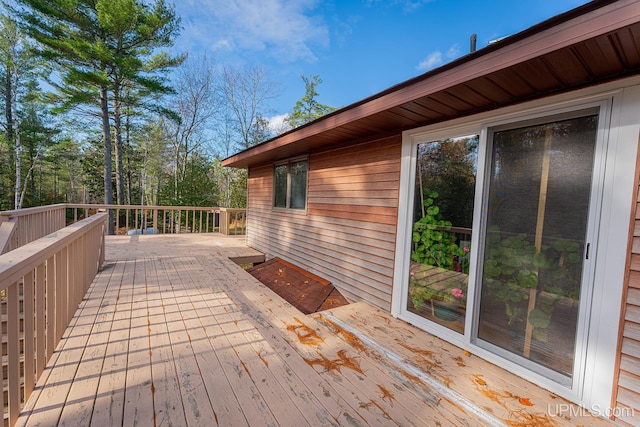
441	238
536	222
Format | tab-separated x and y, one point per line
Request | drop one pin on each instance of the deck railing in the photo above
19	227
41	285
233	221
168	219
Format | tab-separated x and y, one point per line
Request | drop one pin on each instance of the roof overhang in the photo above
589	45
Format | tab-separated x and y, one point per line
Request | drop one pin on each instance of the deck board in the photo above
169	409
172	332
109	404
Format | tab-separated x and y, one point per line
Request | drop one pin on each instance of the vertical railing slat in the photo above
13	352
50	298
60	292
40	320
28	302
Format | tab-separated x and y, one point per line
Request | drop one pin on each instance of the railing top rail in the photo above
31	211
14	263
175	208
233	209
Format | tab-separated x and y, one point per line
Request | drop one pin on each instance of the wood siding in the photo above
348	232
627	391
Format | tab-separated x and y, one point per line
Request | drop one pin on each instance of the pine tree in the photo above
308	108
101	46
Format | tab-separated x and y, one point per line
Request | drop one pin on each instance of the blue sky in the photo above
357	47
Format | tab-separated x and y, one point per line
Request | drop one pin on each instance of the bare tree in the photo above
247	93
195	103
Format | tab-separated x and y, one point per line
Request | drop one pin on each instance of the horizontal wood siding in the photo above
348	233
627	391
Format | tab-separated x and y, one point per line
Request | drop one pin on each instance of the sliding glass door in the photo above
534	243
517	289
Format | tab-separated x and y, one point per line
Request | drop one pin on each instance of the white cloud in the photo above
453	52
222	44
432	61
287	29
408	6
435	59
278	124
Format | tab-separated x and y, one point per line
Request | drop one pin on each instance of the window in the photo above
290	185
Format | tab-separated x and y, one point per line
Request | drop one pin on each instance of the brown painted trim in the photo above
625	289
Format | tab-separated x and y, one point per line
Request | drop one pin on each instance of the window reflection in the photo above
441	238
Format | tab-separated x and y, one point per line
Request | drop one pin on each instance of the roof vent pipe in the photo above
472	41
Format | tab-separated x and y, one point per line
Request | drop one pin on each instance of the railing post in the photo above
155	220
223	221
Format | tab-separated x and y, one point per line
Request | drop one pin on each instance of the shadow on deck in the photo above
172	332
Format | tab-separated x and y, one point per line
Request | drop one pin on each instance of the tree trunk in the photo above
8	110
117	122
26	182
175	173
14	112
127	127
106	135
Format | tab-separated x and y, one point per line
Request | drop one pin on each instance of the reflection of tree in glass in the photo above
448	167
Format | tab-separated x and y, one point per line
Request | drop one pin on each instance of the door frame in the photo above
615	186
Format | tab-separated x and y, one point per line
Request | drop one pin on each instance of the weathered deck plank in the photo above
138	396
195	398
79	406
511	399
288	397
174	333
109	405
169	409
46	403
378	396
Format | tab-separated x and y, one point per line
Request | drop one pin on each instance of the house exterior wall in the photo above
627	392
347	234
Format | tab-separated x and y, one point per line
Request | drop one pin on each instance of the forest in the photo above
98	108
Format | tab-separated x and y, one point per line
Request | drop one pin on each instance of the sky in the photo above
357	47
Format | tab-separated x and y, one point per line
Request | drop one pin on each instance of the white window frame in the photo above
618	106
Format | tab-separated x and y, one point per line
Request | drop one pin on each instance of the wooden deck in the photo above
174	333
